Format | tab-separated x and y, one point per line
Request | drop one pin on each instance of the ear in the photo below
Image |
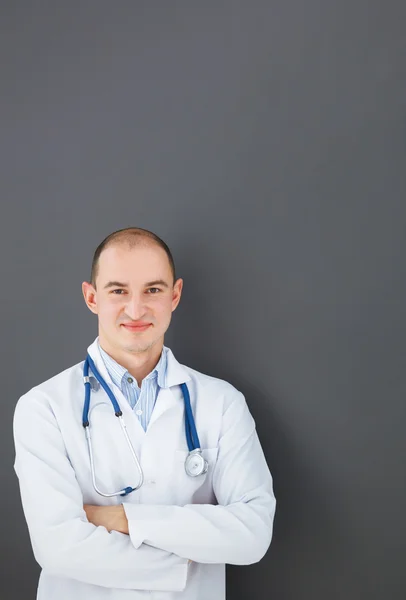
177	292
89	294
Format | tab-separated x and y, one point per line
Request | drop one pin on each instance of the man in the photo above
172	532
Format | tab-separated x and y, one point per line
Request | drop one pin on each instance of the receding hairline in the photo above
130	237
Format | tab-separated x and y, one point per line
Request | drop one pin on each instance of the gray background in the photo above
265	142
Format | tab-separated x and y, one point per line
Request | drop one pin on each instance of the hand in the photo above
110	517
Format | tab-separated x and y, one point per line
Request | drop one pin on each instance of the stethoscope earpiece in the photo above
94	384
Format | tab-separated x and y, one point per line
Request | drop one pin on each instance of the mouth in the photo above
136	328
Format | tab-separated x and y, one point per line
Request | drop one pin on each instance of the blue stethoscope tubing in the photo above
195	464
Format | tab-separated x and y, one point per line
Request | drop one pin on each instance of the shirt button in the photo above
138	412
130	379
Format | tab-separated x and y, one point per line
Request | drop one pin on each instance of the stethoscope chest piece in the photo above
195	464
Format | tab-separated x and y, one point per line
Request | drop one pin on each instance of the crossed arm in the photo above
141	546
110	517
237	530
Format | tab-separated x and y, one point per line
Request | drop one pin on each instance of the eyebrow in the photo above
148	284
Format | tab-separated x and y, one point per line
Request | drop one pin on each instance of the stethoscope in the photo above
195	464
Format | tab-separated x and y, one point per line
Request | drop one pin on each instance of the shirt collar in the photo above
173	373
117	371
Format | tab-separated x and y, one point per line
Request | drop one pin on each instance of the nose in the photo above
135	307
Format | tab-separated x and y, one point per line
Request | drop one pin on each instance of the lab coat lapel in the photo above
167	398
94	352
170	395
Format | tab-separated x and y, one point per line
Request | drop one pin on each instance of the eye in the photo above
117	290
157	289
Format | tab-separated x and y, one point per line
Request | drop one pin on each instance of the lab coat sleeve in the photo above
238	530
64	542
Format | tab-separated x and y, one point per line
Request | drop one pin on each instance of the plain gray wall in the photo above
265	143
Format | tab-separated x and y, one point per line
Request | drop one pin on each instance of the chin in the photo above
139	345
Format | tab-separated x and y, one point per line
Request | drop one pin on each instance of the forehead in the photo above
141	263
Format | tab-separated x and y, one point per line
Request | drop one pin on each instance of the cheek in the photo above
162	310
109	311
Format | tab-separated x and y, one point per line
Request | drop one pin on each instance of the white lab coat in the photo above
224	516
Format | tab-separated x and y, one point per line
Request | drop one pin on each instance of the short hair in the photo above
132	236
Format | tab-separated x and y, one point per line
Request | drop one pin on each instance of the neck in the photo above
138	363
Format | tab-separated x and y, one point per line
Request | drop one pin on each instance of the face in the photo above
133	287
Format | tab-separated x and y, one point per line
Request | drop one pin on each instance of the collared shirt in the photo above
142	400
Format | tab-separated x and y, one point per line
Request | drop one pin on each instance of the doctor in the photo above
190	502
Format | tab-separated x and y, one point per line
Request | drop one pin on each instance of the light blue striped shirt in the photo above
142	400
